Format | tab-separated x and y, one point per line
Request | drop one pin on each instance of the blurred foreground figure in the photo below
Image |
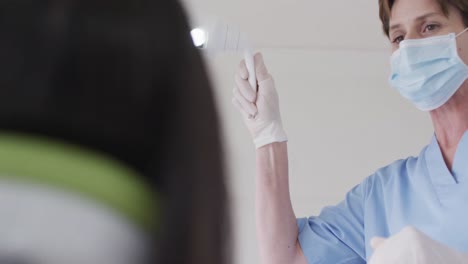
109	144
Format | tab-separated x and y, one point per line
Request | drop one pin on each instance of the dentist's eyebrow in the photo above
423	17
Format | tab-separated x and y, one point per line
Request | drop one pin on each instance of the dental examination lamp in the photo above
221	37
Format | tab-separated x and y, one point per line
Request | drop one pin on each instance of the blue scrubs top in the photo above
418	191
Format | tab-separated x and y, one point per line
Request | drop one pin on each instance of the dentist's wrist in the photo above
273	132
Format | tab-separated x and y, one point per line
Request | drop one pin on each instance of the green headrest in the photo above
69	167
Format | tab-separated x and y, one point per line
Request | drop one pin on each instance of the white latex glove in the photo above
411	246
266	126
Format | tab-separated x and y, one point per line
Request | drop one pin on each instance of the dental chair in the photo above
63	204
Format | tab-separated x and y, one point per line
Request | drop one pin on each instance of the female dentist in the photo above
413	210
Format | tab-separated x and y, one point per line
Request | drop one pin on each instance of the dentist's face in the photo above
415	19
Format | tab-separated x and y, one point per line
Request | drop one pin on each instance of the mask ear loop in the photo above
466	29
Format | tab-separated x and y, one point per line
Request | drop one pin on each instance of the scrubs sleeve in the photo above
337	234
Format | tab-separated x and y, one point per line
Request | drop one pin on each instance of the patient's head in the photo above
122	79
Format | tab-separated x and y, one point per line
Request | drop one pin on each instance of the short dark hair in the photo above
123	77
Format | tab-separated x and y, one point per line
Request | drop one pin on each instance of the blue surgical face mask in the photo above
428	71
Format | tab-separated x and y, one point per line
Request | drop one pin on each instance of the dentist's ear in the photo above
462	41
376	242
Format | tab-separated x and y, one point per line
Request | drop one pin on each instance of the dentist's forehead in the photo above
405	11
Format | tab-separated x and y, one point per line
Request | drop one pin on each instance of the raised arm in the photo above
277	229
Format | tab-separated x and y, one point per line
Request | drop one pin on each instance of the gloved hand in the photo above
265	126
411	246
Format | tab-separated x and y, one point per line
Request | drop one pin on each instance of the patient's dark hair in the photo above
123	77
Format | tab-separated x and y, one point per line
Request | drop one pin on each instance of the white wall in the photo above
342	119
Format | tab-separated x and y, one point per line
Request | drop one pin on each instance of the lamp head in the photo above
220	37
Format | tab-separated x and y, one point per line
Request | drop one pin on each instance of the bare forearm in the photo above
276	223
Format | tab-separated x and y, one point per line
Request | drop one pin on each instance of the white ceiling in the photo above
298	24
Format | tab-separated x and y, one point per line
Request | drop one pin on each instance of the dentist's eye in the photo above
398	39
430	27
